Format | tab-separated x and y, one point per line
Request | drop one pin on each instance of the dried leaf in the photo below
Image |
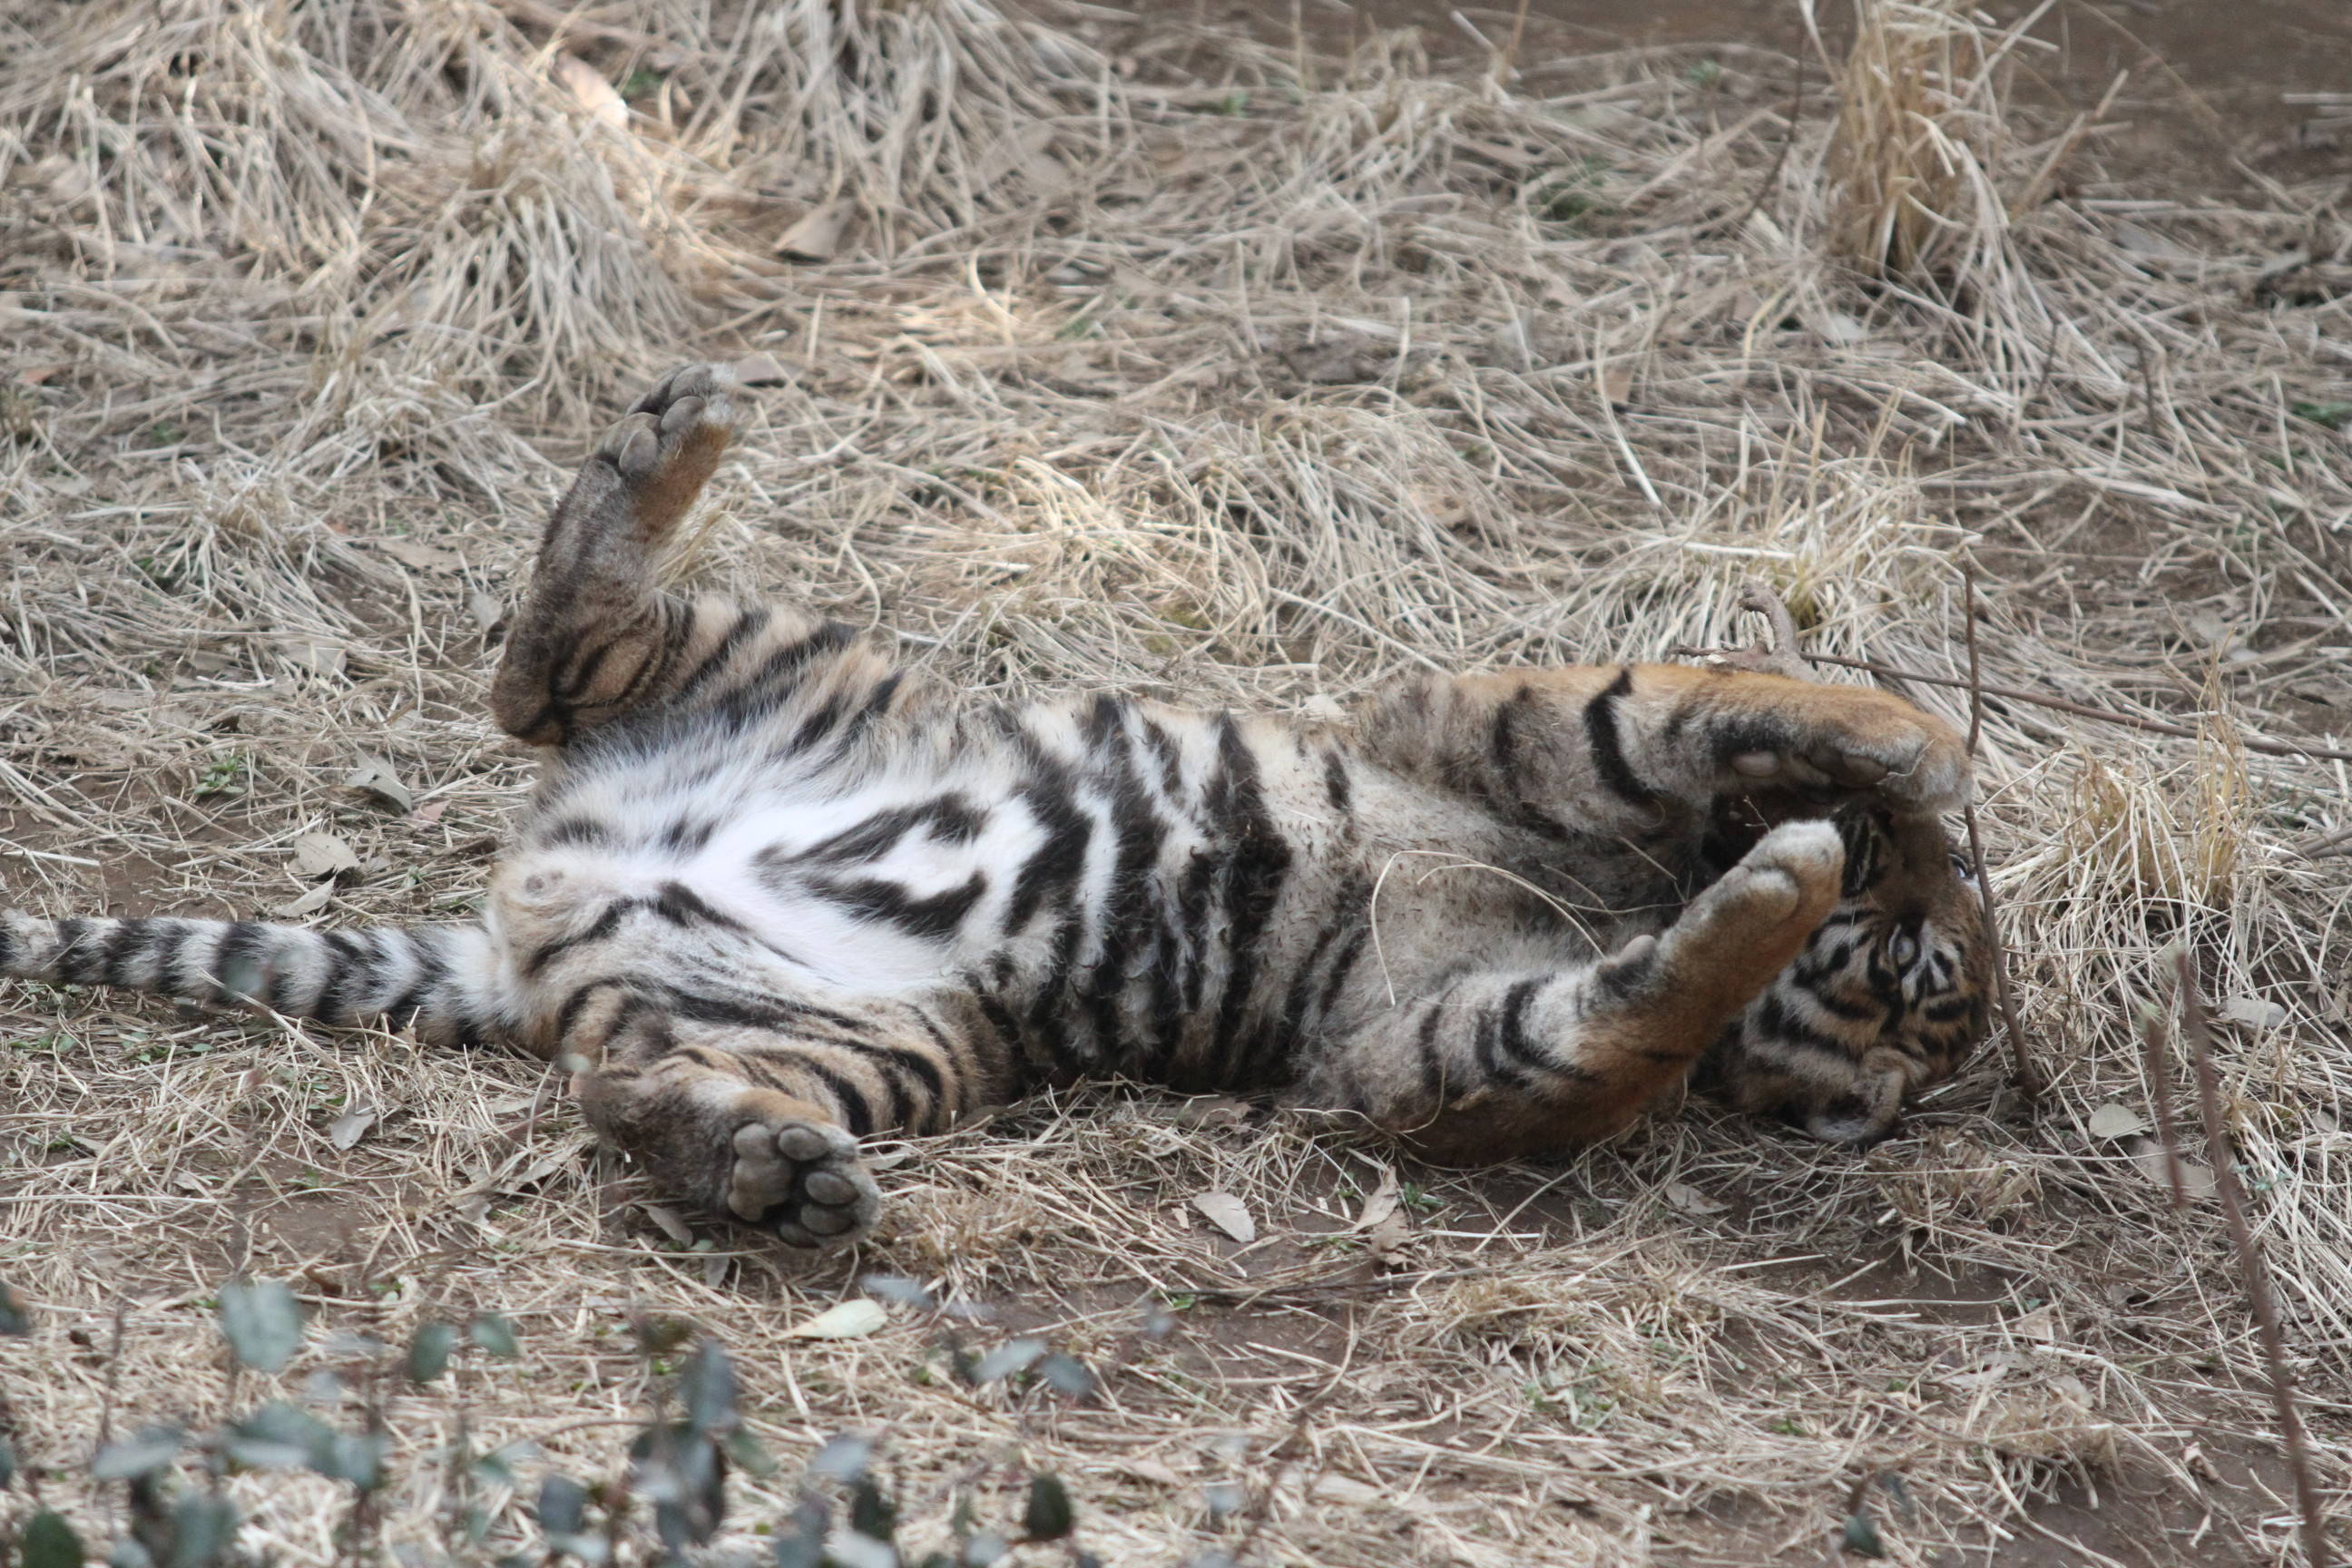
311	653
376	779
1690	1201
2252	1010
323	855
1617	384
2196	1180
1382	1203
2042	1325
851	1320
591	91
352	1126
761	369
817	234
2115	1121
309	903
488	612
421	555
1228	1213
669	1223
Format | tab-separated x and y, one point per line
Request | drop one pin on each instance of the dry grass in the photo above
1246	387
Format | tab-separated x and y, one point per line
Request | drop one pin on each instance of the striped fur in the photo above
774	895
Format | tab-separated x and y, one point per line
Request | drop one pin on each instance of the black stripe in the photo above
1258	863
432	970
816	726
685	837
759	690
1425	1048
931	919
951	819
243	944
856	1114
682	905
746	623
1338	788
75	953
876	703
575	830
1608	746
346	962
604	925
1512	1031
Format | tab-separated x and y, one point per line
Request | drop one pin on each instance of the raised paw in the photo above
671	439
1844	740
1747	927
804	1181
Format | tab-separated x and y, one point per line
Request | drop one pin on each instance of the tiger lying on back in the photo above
772	896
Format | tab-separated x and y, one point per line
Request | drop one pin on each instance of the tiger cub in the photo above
772	896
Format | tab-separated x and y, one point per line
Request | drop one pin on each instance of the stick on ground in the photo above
2259	1295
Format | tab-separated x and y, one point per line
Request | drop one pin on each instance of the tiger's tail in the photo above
446	981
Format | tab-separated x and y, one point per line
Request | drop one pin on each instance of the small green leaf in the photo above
802	1545
1010	1357
498	1465
844	1456
202	1527
358	1457
2335	416
751	1454
1861	1535
149	1451
1049	1516
280	1438
7	1464
707	1387
563	1506
15	1320
870	1513
428	1352
50	1542
262	1321
895	1288
659	1336
495	1335
1068	1375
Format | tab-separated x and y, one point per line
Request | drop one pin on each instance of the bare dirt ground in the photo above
1232	356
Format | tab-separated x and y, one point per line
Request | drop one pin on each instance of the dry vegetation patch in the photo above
1251	382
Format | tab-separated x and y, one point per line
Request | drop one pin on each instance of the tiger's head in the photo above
1889	997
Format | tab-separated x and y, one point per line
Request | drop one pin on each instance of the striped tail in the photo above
443	981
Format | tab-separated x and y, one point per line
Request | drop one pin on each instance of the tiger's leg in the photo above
1622	749
756	1111
594	639
1493	1063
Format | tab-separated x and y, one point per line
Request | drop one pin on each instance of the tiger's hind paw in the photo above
667	446
804	1181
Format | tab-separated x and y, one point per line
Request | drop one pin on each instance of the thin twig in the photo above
2105	715
1764	187
2024	1076
2250	1263
2159	1105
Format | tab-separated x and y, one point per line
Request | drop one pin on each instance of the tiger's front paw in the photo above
804	1181
1847	741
